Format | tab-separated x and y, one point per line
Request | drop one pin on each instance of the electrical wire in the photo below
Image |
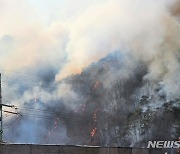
28	108
48	114
37	112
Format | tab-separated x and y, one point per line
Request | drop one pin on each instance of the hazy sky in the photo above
48	10
43	11
71	34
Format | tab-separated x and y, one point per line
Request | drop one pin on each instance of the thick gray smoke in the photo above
77	72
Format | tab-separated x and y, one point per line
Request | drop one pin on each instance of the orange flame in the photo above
93	132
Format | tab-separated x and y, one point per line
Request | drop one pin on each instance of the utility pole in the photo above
1	110
1	129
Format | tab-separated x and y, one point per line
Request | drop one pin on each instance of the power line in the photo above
49	114
11	112
6	105
40	111
35	111
27	108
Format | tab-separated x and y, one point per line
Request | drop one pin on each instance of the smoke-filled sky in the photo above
69	35
72	34
57	38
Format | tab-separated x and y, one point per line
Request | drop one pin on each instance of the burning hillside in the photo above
104	73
